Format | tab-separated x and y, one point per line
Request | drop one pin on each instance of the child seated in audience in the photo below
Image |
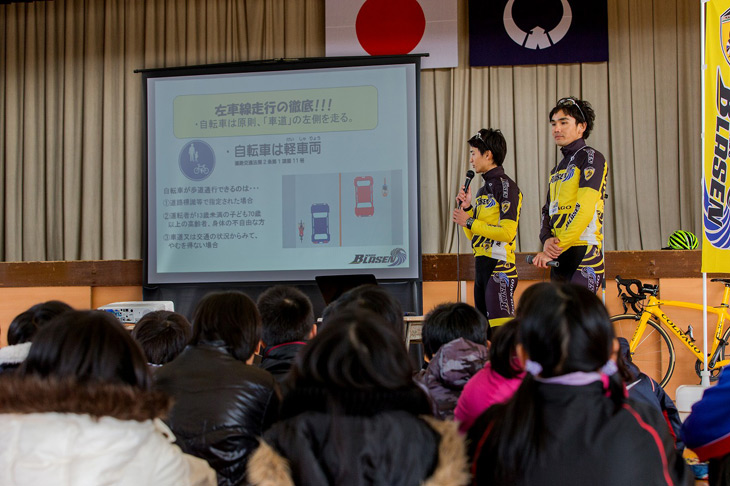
497	381
222	402
369	297
354	416
454	343
287	322
22	329
569	422
162	335
79	411
643	388
707	430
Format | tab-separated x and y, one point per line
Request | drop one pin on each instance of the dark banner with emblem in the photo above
511	32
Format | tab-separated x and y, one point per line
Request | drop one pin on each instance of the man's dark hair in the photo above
162	335
581	110
231	317
26	324
286	315
450	321
492	140
373	298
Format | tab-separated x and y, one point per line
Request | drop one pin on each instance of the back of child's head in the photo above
564	328
357	350
450	321
25	325
373	298
357	362
502	352
228	317
87	347
286	315
162	335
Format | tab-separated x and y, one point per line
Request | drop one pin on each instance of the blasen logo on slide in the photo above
396	257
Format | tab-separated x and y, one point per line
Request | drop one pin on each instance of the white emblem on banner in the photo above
537	38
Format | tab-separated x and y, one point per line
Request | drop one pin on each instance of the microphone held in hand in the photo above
467	182
469	177
551	263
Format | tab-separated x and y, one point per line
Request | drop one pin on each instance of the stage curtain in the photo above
71	107
71	114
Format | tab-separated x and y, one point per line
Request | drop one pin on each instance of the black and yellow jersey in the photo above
496	212
573	211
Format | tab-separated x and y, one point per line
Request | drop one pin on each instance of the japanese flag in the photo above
381	27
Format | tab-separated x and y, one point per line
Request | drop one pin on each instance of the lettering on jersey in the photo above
588	173
572	215
505	189
715	204
564	176
487	201
591	155
505	206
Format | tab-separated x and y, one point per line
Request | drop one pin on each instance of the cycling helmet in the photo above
682	240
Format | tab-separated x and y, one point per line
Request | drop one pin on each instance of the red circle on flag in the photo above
390	26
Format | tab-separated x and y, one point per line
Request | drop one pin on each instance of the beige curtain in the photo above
71	115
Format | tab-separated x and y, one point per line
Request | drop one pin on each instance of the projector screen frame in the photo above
293	277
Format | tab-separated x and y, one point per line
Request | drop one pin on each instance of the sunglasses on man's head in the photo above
571	101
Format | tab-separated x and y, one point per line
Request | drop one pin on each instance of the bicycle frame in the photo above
652	308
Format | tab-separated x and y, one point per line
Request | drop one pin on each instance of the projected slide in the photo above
282	175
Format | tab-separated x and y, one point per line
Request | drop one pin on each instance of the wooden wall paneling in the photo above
15	300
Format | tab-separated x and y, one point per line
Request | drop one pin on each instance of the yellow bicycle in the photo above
652	349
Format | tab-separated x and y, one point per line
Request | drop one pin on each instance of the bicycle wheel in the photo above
655	353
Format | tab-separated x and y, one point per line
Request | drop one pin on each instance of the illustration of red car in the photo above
364	196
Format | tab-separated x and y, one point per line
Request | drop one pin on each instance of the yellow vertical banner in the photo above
716	211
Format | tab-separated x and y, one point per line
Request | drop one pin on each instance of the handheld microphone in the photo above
469	177
467	182
551	263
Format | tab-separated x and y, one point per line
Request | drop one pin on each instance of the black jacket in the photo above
371	439
222	405
588	443
278	359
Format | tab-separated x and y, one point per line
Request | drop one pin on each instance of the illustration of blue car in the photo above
320	223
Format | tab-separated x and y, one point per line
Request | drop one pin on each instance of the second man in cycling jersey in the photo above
572	217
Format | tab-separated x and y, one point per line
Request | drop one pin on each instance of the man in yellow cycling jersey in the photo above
491	225
572	218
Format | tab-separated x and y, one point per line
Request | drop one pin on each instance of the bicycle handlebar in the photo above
627	283
634	296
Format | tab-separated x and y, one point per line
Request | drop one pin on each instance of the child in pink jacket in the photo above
496	382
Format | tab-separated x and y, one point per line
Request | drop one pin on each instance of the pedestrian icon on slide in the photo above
197	160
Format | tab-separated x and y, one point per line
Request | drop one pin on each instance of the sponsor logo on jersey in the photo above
487	201
572	215
505	206
588	173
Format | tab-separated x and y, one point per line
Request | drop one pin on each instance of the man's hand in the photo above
551	248
540	260
459	216
463	199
